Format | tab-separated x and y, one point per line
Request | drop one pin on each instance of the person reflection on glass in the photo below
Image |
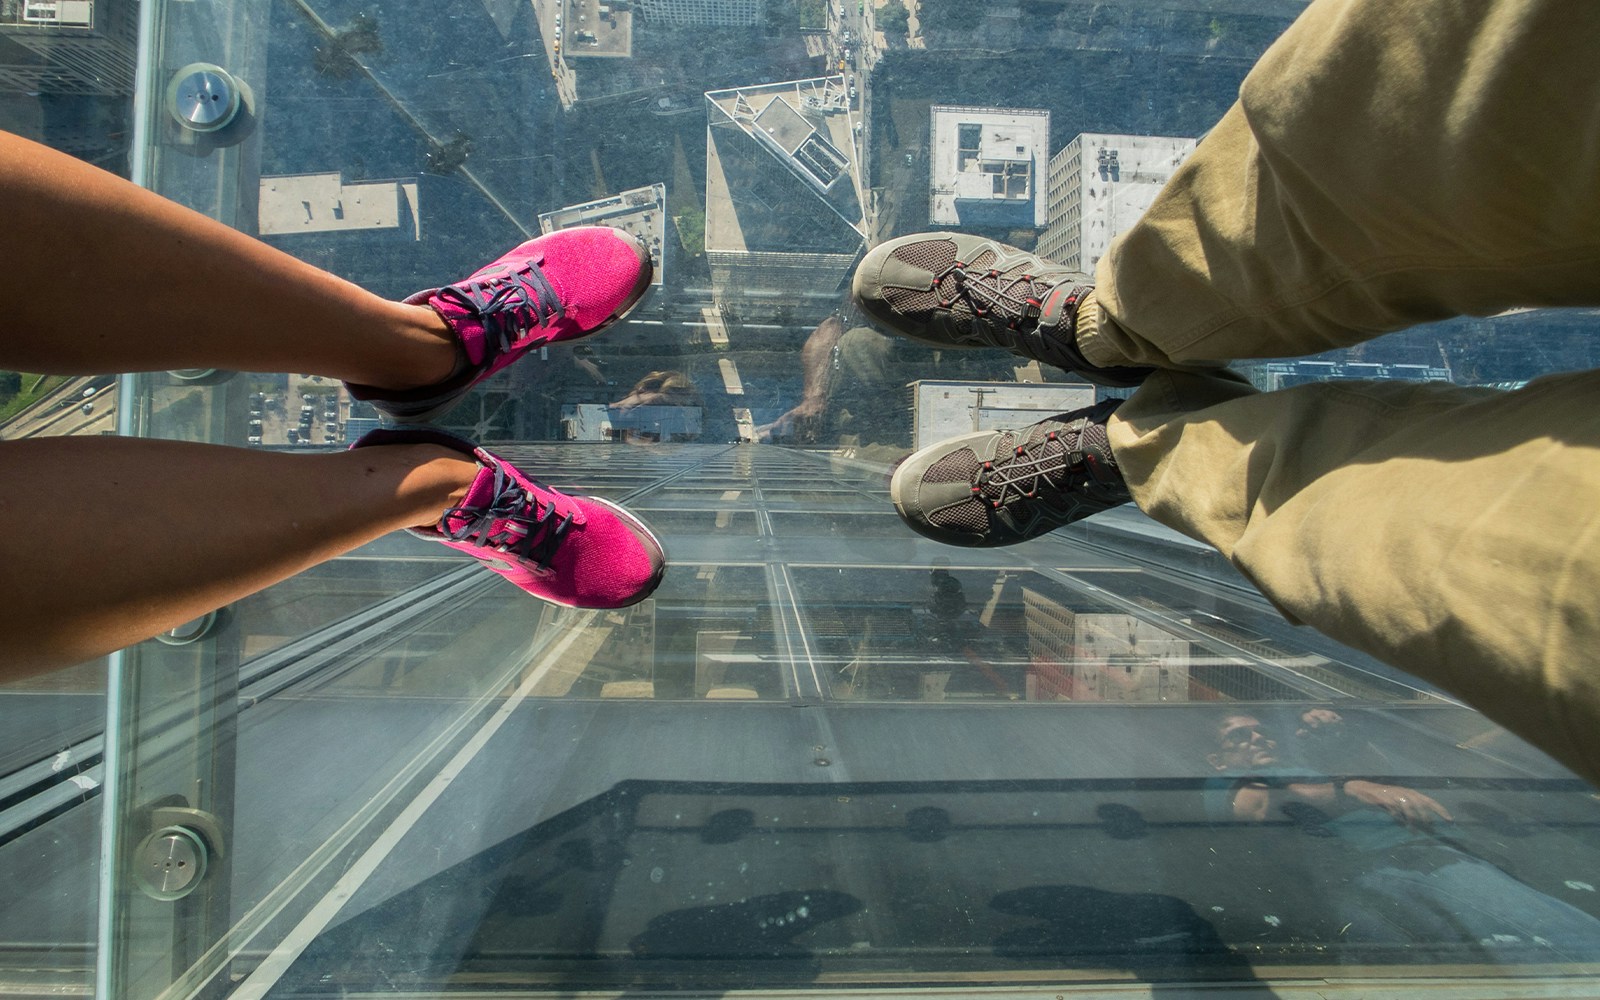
1411	884
819	363
1247	747
662	406
854	387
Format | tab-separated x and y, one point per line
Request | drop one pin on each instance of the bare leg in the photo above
104	276
109	541
112	540
104	545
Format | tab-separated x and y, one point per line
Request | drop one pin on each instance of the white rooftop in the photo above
321	203
1120	178
988	162
641	212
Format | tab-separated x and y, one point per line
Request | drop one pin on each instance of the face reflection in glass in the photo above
1244	742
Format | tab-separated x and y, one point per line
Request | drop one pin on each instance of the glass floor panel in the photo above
828	755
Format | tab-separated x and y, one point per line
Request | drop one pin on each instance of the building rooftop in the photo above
641	212
986	165
804	128
1099	185
595	29
324	203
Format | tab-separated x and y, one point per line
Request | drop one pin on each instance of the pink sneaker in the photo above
579	552
563	286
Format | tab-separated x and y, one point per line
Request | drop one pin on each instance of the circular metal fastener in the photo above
201	376
170	863
190	631
203	97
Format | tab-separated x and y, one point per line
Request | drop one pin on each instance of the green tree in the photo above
894	18
692	231
813	15
944	15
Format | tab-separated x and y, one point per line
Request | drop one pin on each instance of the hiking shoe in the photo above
1002	487
954	290
578	552
558	287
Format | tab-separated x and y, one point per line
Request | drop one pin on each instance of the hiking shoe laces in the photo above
956	290
1001	487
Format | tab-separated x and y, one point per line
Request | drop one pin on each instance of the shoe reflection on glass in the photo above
763	926
272	514
805	422
853	393
1082	926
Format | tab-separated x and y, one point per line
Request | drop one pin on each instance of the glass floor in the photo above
828	755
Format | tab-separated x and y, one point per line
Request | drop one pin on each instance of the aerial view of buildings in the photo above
1097	186
758	147
828	754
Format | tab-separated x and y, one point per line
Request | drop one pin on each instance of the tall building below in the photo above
723	13
324	203
784	217
1098	186
986	166
641	212
83	47
1272	375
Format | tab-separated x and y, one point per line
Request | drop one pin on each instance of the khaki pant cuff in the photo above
1096	350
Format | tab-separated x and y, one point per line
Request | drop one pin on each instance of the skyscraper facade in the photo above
1097	186
784	215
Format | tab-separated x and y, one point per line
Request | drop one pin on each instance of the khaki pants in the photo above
1388	162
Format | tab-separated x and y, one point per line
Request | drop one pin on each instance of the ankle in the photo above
421	480
438	352
420	349
441	478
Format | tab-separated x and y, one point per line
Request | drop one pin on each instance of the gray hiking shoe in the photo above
994	488
954	290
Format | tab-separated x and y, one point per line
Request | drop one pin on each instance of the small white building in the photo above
986	166
641	212
325	203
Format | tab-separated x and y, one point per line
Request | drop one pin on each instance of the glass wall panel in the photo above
67	79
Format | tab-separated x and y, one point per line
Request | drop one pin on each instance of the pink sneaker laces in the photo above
518	521
508	304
